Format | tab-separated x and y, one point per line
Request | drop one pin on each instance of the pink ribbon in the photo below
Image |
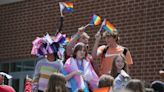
36	45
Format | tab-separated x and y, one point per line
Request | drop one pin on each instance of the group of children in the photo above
75	73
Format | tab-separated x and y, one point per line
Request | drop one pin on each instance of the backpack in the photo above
106	48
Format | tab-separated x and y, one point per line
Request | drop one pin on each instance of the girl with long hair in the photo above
119	63
86	74
56	83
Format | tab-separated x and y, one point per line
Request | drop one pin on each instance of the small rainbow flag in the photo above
68	6
96	20
68	39
109	27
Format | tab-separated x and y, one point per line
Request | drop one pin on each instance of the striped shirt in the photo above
44	69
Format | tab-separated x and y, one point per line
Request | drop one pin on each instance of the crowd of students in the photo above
75	72
69	67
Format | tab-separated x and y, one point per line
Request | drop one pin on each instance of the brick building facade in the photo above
141	25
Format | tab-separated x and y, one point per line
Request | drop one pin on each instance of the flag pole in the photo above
103	23
61	9
87	25
61	18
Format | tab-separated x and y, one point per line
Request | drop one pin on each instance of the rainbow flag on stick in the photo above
109	27
96	20
67	6
103	23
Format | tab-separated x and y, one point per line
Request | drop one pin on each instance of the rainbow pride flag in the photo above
68	6
96	20
109	27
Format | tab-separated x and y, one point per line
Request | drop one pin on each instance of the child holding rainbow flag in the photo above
111	49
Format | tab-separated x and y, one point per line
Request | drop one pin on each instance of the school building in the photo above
141	25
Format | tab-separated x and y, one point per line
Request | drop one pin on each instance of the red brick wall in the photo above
141	23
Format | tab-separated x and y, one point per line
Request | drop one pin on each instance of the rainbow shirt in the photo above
44	69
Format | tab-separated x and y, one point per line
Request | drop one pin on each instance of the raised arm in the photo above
74	40
96	44
129	58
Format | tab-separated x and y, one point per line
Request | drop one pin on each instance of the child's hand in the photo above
77	72
124	74
161	72
98	36
81	30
